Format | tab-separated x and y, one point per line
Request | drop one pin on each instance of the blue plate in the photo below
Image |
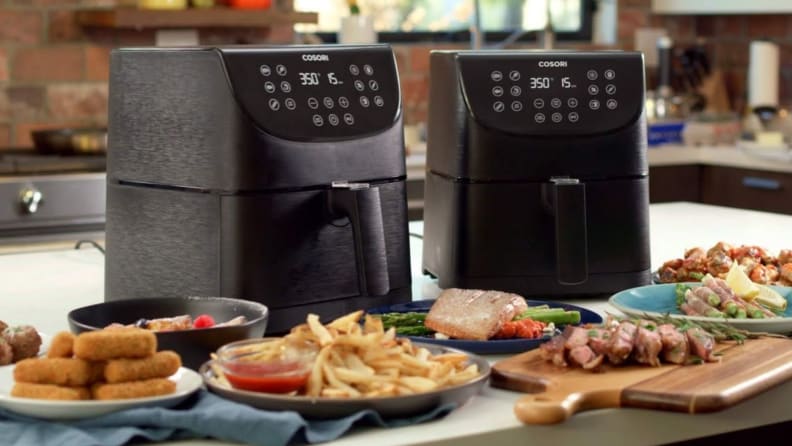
491	347
657	300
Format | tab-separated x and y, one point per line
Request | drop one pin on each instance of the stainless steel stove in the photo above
50	197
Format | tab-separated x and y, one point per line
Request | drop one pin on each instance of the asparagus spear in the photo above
402	319
558	316
680	290
406	324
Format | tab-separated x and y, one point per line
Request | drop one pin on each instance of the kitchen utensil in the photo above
557	393
536	176
280	179
387	407
763	76
490	347
195	345
70	141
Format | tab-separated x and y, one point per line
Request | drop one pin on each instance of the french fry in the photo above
346	323
440	371
412	361
315	381
353	362
319	330
370	340
455	358
337	383
354	377
418	383
372	324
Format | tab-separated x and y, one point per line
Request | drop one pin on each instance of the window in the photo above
450	20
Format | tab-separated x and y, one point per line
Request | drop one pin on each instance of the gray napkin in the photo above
204	415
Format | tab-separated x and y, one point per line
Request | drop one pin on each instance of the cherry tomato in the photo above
203	321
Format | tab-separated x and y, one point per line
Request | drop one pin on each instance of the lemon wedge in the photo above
771	299
741	284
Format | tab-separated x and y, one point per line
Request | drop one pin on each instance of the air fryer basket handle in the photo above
569	205
361	204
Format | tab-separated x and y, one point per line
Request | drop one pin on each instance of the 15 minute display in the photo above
308	78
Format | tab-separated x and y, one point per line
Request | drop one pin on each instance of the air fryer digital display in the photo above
553	94
316	93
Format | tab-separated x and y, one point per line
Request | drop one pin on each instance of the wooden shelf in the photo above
217	17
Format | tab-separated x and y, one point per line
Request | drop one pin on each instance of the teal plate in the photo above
657	300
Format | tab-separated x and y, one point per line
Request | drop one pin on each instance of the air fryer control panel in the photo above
315	93
553	93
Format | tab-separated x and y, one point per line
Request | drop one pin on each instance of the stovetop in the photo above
26	163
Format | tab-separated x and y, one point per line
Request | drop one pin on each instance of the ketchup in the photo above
270	378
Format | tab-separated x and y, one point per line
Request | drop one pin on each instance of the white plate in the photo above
187	382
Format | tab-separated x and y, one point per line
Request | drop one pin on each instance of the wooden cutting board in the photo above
557	393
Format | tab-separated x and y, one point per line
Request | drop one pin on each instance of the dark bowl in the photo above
194	345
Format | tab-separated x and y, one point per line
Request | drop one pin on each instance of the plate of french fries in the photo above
359	365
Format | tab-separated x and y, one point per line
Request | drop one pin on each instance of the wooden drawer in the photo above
748	189
674	183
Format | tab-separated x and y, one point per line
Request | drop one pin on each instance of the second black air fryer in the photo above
537	178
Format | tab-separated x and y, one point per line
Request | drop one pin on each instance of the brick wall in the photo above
54	73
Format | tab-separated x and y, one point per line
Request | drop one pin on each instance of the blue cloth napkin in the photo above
204	415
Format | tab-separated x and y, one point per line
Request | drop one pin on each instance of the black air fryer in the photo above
537	181
271	174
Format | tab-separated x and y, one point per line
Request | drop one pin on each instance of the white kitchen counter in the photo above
40	288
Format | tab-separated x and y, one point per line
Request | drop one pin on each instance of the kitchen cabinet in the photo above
674	183
747	189
735	187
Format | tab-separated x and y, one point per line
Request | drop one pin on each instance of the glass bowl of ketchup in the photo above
267	365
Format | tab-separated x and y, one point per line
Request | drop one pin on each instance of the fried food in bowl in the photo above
195	345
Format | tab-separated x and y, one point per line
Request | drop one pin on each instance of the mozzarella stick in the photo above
163	364
61	371
134	389
115	343
50	392
61	346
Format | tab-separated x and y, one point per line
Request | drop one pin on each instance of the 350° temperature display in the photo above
308	78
